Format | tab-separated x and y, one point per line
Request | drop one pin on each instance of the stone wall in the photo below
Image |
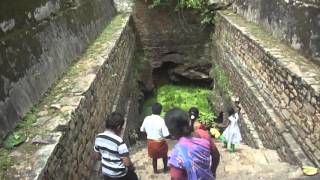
174	37
279	88
38	41
74	111
112	89
295	21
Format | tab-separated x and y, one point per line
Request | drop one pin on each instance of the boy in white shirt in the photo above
157	131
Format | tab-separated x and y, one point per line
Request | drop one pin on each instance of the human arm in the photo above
143	128
177	173
224	124
215	155
96	154
124	155
127	162
164	131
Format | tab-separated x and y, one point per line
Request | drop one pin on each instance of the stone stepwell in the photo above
60	142
279	88
245	164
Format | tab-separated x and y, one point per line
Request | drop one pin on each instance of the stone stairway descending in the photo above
246	164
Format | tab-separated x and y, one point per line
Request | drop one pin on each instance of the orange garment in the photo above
157	149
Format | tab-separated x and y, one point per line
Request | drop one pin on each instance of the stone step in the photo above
245	164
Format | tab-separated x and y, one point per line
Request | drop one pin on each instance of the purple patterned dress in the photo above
193	156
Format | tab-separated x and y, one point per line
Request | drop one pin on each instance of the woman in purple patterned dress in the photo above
191	157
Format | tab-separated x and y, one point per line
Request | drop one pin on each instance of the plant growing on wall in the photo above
221	80
204	8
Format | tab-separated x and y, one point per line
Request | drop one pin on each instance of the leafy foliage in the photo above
14	139
20	133
183	97
202	7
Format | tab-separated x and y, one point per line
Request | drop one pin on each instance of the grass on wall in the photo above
184	97
221	80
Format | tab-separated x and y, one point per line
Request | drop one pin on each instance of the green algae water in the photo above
184	97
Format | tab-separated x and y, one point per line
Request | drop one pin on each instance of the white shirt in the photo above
155	127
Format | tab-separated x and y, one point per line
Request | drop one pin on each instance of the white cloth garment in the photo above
232	132
155	127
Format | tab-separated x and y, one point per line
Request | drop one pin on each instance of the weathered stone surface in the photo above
68	156
43	139
296	22
245	164
171	39
39	40
277	102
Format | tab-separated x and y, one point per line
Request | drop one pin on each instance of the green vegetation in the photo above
204	8
183	97
139	62
6	161
105	35
14	139
221	80
21	131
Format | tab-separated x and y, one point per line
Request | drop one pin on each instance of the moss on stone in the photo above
57	90
221	80
5	161
139	62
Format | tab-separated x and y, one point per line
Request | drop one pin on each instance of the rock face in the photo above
39	40
295	21
175	44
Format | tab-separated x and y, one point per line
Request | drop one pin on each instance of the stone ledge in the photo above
273	119
248	131
295	101
284	56
58	112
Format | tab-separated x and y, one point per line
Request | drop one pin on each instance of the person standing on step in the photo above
199	130
157	131
193	157
231	135
113	152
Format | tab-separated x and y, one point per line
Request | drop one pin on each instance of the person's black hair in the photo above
195	112
114	120
231	111
156	108
219	119
178	122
